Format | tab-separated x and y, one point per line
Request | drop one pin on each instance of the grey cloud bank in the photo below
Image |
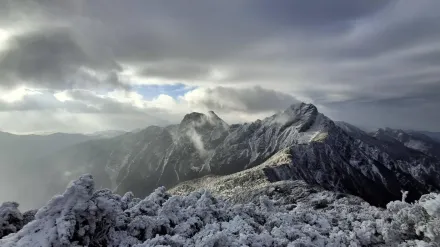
372	63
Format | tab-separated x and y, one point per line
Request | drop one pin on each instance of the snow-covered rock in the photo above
11	219
310	217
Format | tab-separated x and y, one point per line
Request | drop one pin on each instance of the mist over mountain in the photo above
17	156
20	171
108	133
411	139
433	135
335	155
219	123
16	148
246	208
291	158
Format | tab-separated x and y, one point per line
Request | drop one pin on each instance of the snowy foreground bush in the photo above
82	217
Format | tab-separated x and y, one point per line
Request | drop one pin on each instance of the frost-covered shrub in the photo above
29	216
82	217
11	220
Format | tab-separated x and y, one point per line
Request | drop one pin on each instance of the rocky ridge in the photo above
321	152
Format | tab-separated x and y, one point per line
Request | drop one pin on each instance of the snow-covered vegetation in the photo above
84	217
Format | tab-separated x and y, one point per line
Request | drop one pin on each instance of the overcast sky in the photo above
83	66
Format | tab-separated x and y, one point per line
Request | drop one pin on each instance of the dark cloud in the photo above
316	12
360	54
50	121
402	113
140	31
81	101
177	71
53	58
250	100
217	31
29	103
88	102
415	109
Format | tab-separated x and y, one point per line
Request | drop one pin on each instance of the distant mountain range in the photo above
16	148
18	156
335	155
410	139
433	135
108	133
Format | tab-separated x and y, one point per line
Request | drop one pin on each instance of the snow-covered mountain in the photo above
292	179
410	139
434	135
333	155
107	133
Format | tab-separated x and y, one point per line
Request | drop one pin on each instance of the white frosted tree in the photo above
11	219
84	217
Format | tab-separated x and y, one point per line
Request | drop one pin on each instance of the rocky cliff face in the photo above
253	143
333	155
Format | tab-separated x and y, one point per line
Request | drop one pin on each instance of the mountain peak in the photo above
299	104
302	106
388	132
192	117
301	115
197	119
299	111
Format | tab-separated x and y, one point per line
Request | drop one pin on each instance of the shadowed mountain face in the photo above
410	139
336	156
433	135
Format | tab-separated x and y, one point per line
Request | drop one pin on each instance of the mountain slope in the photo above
325	154
332	155
433	135
108	133
138	161
108	159
251	144
410	139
